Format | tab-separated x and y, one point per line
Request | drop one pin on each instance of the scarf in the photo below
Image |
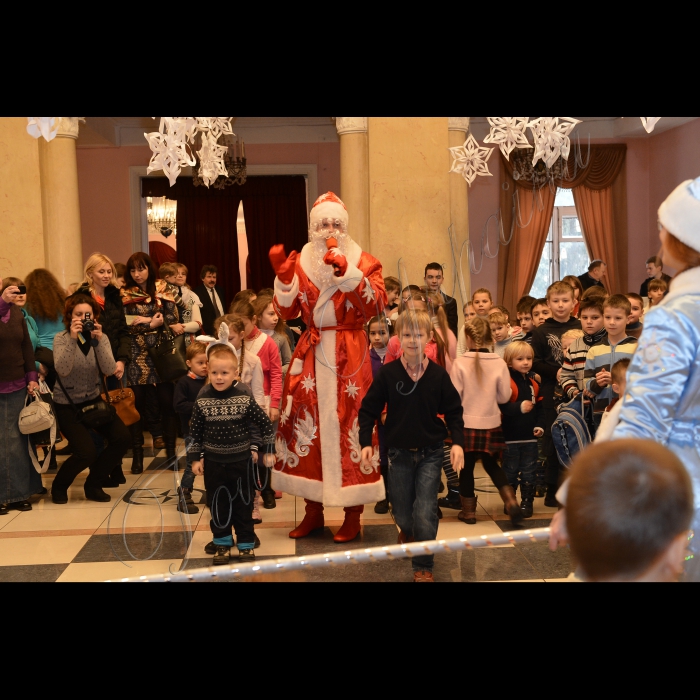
164	292
268	332
595	338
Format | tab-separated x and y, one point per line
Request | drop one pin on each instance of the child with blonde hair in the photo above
501	332
482	301
483	382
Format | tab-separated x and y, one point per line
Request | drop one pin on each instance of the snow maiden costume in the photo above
337	287
661	401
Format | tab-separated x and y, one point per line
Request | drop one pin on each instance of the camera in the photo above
22	289
88	324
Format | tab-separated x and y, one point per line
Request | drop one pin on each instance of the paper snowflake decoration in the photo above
169	146
215	125
42	126
649	123
351	389
508	133
211	159
551	138
470	159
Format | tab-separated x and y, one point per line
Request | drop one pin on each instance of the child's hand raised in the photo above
198	468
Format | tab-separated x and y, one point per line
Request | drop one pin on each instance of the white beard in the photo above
322	272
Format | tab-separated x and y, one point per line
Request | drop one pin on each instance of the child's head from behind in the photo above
236	328
524	313
478	333
414	329
378	332
629	507
196	358
519	356
560	299
500	328
223	367
569	337
616	311
636	306
249	295
656	290
413	300
618	375
247	313
482	301
540	312
168	272
406	291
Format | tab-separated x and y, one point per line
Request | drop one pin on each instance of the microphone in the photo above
332	243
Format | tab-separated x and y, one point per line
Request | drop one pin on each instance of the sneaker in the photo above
222	556
158	443
268	499
210	547
423	577
256	509
382	507
246	555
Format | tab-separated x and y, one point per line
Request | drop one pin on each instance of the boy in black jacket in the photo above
414	390
186	391
522	424
549	357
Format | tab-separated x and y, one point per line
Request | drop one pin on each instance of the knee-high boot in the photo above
136	431
313	520
350	528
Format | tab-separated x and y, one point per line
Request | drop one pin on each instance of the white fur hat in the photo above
221	340
328	206
679	214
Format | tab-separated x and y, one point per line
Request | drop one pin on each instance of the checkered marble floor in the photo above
141	532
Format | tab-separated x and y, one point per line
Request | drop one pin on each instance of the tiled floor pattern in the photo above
141	532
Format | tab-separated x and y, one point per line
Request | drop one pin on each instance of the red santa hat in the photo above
328	206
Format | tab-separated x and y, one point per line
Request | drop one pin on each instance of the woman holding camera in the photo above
81	353
18	478
148	302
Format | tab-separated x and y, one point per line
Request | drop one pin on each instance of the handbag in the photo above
168	361
35	419
99	412
124	402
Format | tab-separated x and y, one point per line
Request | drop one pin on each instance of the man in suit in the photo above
655	271
596	270
433	281
212	298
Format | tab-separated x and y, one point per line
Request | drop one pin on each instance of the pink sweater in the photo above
393	349
482	393
266	349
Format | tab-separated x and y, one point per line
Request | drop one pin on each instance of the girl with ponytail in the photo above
482	380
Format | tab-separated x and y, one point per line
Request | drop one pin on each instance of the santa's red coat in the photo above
318	439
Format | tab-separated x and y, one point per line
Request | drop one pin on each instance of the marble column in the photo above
60	203
457	128
354	176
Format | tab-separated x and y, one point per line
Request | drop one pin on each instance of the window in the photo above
565	251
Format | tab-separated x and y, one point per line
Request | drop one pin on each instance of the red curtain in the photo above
275	211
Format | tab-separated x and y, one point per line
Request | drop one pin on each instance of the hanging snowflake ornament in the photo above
469	160
551	138
215	125
508	133
211	159
42	126
169	150
649	123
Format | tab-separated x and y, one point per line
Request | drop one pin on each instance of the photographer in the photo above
76	354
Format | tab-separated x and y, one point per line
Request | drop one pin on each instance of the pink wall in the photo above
103	179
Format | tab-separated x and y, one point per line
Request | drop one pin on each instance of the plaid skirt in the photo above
490	441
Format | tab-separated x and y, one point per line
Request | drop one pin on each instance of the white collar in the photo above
686	282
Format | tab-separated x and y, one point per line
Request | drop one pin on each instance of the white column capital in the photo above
458	124
350	125
68	126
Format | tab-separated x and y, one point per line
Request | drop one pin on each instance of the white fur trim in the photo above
286	293
297	366
349	281
316	491
329	210
680	213
686	282
353	257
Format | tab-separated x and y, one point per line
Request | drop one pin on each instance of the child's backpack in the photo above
570	432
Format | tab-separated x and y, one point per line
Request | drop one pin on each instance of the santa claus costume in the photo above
338	288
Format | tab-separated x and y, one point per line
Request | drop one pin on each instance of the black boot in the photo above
451	500
550	500
136	431
527	496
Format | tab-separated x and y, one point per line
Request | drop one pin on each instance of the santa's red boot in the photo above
350	529
312	520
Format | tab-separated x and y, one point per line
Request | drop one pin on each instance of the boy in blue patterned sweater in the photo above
223	449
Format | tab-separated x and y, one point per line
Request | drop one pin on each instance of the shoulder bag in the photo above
124	402
168	361
37	421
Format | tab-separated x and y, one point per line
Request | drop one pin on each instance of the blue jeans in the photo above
415	478
520	459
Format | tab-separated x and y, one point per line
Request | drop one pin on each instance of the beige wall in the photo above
21	224
409	192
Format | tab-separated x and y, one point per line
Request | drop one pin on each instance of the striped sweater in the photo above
220	426
604	356
572	369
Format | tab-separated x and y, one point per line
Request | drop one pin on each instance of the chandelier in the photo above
234	163
161	214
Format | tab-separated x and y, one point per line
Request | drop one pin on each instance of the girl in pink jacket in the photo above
483	381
